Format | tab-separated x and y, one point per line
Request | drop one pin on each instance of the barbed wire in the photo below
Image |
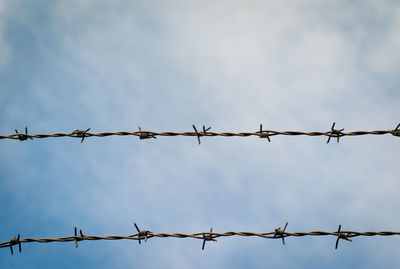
261	133
145	235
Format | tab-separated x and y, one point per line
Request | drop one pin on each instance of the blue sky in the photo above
165	65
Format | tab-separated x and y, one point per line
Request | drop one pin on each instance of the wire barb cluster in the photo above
77	238
278	233
341	235
261	133
23	137
208	237
281	233
396	132
15	241
335	133
80	133
141	234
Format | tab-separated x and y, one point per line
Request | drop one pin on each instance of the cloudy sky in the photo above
231	65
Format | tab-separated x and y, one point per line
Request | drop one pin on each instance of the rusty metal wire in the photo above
145	235
332	133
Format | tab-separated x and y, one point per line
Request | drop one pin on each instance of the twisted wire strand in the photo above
336	133
205	236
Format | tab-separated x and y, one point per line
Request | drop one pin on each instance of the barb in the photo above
205	236
396	132
264	134
78	238
341	235
145	135
150	134
200	134
281	233
14	241
23	137
335	133
80	133
141	234
208	237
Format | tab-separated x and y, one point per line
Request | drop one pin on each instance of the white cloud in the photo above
278	62
287	65
383	54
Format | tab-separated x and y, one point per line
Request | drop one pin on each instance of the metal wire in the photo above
205	236
82	134
278	233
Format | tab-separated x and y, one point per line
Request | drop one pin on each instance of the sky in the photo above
231	65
